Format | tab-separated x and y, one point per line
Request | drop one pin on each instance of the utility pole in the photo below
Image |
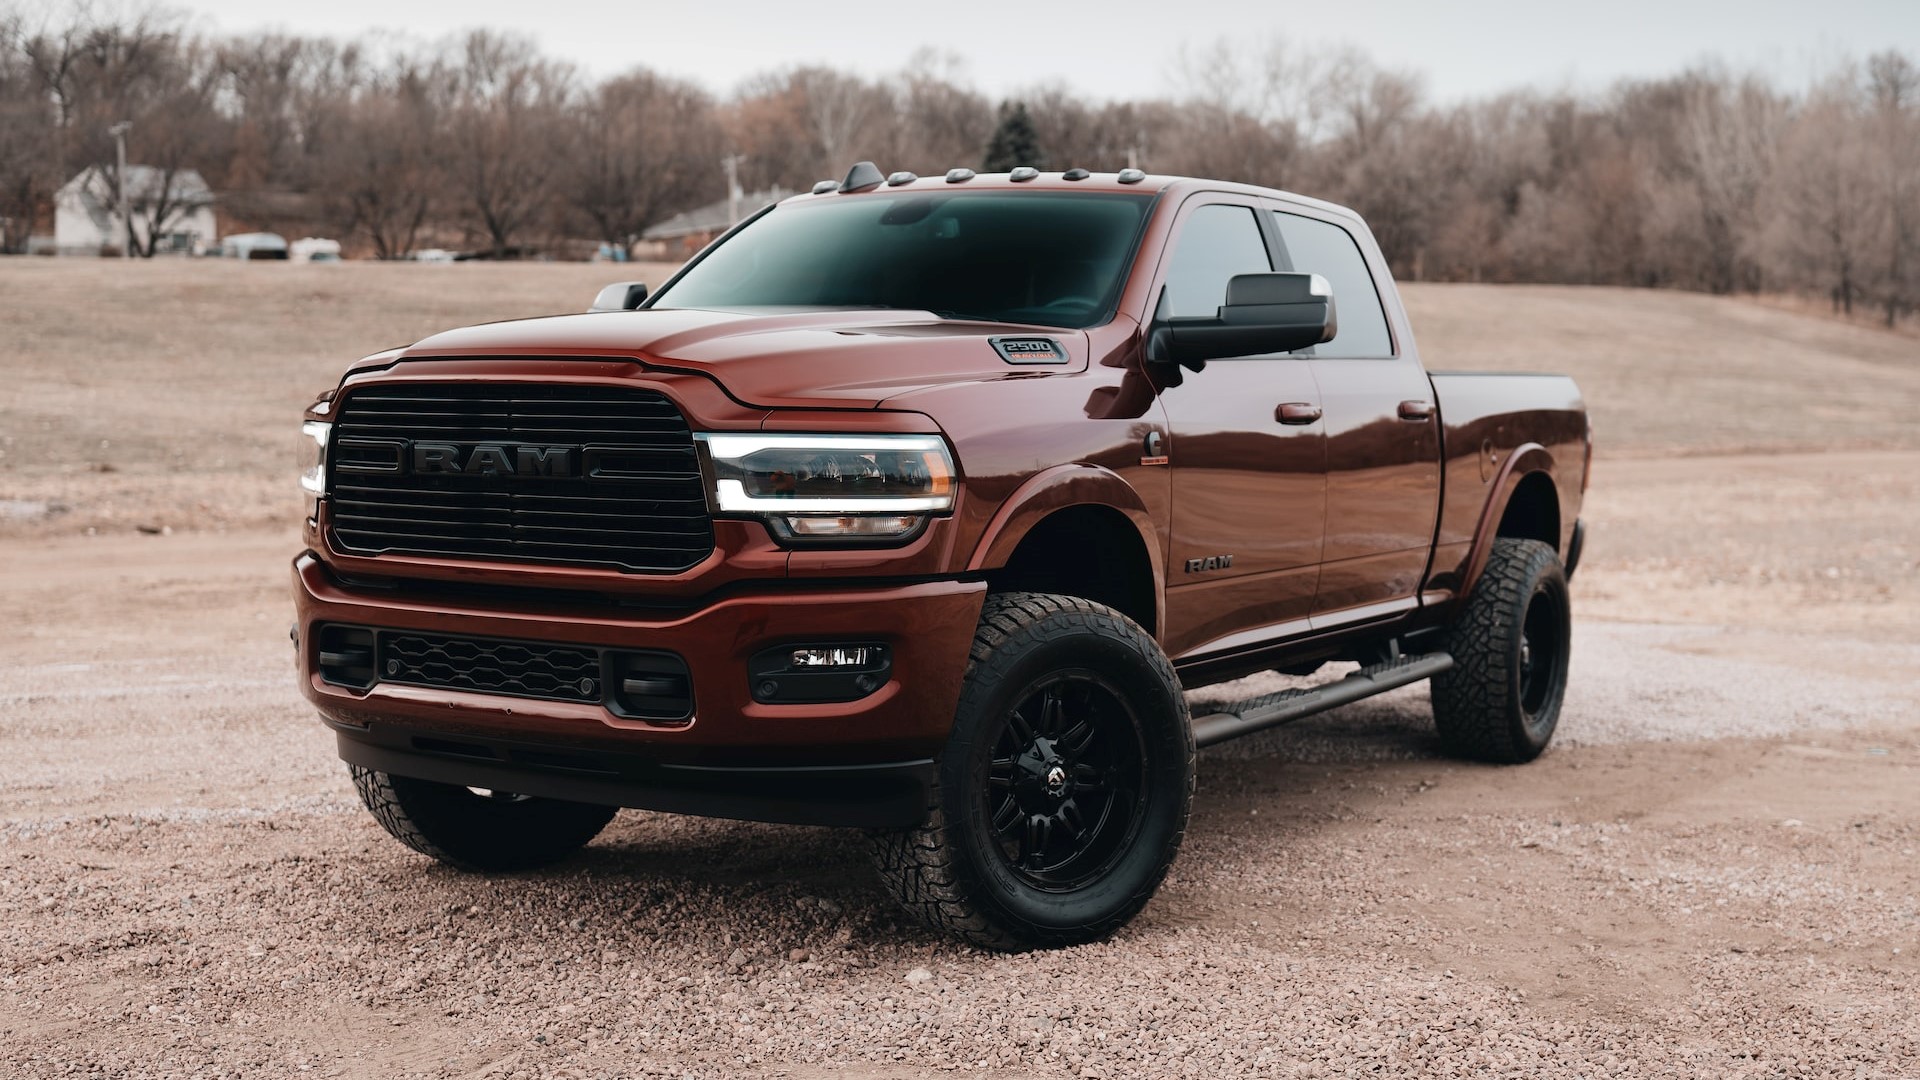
731	163
119	133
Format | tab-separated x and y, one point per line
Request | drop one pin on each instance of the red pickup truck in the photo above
915	505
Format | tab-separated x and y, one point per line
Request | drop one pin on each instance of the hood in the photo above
817	359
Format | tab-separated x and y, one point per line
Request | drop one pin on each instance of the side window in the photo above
1319	247
1216	242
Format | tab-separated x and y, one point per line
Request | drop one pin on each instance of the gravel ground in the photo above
1711	874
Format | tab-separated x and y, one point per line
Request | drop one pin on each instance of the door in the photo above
1247	453
1382	429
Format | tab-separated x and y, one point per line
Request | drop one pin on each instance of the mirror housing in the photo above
1264	313
620	296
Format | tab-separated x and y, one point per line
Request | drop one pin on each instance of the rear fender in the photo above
1525	460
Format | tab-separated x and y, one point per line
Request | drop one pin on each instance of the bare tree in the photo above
1706	180
1819	204
382	172
502	134
639	147
27	143
1893	86
807	123
941	123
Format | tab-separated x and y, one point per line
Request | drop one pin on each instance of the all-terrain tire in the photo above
463	828
1500	702
1091	669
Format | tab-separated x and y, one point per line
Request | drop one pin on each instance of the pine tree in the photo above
1014	142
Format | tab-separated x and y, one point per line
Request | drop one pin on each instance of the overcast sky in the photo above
1128	48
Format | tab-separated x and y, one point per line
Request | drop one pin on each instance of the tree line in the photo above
1708	179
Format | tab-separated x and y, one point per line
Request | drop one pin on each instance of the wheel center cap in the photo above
1056	781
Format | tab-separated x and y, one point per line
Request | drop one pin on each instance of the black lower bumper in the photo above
892	794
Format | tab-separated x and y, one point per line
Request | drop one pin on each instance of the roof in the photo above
143	185
1105	183
714	217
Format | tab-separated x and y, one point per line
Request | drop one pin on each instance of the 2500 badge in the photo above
1029	350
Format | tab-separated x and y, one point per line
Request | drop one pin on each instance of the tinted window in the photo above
1317	247
1216	243
1050	259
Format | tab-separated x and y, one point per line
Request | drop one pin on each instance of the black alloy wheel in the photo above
1061	787
1543	653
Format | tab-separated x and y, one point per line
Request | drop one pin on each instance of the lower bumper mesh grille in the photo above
642	684
521	668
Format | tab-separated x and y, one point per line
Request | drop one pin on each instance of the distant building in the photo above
86	215
683	234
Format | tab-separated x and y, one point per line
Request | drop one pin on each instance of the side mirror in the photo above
1264	313
620	296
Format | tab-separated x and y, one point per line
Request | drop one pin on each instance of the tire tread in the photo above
1473	708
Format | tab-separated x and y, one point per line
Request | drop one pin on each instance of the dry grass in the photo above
1667	372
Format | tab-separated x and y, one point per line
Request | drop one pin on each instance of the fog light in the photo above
812	674
833	656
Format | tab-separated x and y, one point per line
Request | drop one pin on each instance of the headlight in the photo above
823	487
313	462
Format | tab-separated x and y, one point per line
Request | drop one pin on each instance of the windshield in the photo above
1047	258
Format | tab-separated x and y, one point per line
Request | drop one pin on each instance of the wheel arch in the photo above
1525	503
1069	510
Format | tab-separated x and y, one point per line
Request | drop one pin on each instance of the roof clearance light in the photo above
1131	176
1023	174
1075	174
901	177
959	176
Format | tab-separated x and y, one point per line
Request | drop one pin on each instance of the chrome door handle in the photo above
1416	410
1297	412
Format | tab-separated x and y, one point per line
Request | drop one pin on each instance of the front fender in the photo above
1062	486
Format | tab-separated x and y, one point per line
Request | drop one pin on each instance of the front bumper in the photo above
888	794
865	762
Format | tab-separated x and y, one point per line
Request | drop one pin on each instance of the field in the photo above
1712	873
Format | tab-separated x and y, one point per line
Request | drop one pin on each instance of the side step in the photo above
1286	706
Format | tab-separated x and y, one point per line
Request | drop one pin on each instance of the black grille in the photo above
586	475
520	668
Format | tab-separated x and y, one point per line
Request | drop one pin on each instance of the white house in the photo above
86	215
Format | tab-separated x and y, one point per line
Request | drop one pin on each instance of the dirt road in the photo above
1712	874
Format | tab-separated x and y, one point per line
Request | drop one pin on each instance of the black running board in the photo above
1286	706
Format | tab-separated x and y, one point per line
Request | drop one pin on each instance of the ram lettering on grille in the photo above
581	475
